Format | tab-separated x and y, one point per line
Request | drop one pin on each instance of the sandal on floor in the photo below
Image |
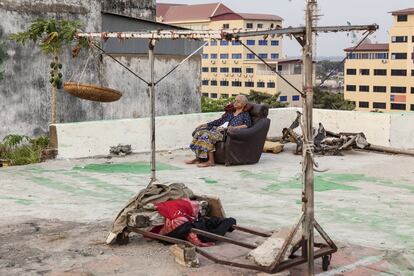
205	165
193	161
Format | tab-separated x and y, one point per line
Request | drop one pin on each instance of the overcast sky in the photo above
334	12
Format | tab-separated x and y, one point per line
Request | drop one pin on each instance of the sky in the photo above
333	12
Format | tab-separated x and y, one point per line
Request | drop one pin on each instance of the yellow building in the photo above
227	67
381	76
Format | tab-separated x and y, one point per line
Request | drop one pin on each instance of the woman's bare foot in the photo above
193	161
205	164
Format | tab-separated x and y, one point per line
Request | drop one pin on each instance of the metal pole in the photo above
307	165
152	99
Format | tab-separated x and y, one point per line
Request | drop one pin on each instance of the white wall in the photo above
85	139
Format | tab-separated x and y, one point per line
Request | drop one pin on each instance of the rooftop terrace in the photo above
55	215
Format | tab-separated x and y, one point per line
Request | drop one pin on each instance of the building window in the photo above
236	83
398	72
205	94
351	88
263	56
213	43
249	25
272	26
399	39
224	83
402	18
224	96
224	70
295	98
249	70
213	69
224	56
226	26
274	56
249	84
412	73
260	26
204	69
213	95
412	107
251	56
364	72
263	42
205	56
251	42
204	82
398	89
236	56
235	43
412	90
224	43
213	56
363	88
412	38
236	70
283	98
351	71
363	104
274	42
399	56
396	106
213	83
261	84
380	89
379	105
297	69
380	72
271	84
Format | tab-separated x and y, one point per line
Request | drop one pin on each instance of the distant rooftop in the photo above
206	12
369	47
404	11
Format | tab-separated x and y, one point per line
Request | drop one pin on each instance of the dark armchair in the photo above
245	146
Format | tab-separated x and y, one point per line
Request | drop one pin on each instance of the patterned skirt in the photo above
204	141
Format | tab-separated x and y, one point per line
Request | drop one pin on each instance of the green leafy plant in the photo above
328	100
217	105
52	35
22	150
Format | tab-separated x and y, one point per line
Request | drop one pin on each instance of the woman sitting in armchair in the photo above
207	135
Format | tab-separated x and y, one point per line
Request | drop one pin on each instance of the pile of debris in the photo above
330	143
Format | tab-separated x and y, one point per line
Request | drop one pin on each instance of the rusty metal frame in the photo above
324	249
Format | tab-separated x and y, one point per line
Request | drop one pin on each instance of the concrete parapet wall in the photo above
85	139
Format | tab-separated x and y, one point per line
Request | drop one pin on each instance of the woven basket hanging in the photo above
92	92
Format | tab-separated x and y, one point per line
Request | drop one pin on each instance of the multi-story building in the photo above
381	76
228	68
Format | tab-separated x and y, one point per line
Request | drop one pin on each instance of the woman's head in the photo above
240	102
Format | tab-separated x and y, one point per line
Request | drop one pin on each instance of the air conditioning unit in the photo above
227	74
236	61
245	75
231	75
239	75
215	74
251	76
384	61
213	61
223	61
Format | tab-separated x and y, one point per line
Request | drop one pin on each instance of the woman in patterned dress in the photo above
207	135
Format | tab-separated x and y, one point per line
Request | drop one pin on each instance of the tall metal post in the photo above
152	99
307	165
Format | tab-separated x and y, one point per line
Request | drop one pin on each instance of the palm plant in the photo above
52	35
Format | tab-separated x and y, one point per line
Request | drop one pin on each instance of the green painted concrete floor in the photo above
365	199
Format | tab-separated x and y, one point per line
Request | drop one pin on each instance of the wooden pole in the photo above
152	100
307	165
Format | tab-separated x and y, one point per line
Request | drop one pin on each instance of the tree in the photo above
217	105
327	100
52	36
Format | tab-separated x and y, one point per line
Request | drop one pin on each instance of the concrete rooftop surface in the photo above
55	215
